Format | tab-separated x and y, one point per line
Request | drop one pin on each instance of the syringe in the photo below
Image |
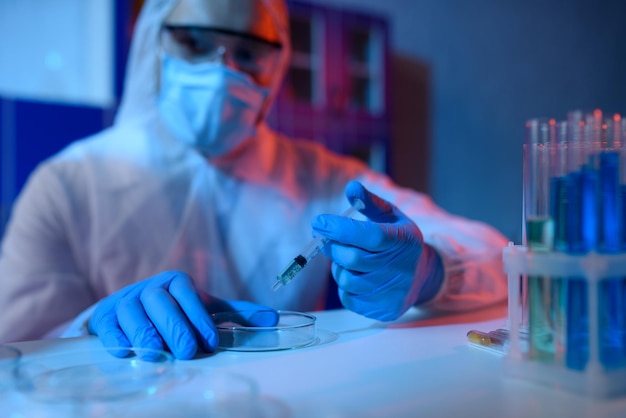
310	251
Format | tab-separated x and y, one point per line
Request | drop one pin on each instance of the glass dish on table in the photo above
293	330
80	382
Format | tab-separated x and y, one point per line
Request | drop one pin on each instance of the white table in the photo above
417	366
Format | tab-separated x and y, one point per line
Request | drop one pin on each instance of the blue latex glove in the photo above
166	311
382	267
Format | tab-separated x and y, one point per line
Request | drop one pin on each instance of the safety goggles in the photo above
249	53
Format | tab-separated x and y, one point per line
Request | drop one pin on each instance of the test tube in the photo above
537	132
558	172
539	235
558	212
538	222
611	297
620	149
577	341
583	232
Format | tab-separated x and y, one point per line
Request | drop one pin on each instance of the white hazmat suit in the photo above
127	203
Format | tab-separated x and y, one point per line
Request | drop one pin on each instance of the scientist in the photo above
189	204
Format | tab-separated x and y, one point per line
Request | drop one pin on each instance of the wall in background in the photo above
466	76
60	79
57	50
470	73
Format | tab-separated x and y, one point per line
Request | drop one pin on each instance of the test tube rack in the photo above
595	378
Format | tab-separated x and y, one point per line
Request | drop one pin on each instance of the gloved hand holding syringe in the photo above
310	251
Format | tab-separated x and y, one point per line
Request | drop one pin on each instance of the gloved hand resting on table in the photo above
382	266
166	311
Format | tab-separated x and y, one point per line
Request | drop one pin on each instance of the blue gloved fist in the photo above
382	266
167	312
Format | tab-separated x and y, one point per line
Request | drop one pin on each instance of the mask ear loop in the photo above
159	62
160	58
158	70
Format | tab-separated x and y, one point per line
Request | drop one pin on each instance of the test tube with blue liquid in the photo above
580	222
612	350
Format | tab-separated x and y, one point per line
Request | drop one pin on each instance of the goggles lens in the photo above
253	55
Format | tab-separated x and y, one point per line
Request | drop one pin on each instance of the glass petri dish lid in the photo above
200	392
89	375
293	330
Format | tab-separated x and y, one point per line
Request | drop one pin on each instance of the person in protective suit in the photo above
190	204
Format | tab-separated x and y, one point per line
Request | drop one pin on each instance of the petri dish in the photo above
9	359
94	375
201	393
293	330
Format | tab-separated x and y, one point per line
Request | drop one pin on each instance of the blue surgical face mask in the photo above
208	105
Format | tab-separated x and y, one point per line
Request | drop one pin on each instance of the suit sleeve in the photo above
42	259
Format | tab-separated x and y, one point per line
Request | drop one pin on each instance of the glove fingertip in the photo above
354	186
355	190
265	318
117	344
370	203
252	314
319	222
153	344
186	351
181	340
210	342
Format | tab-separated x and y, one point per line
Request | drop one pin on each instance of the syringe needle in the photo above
310	251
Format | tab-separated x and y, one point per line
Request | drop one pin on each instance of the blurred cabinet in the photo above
336	90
